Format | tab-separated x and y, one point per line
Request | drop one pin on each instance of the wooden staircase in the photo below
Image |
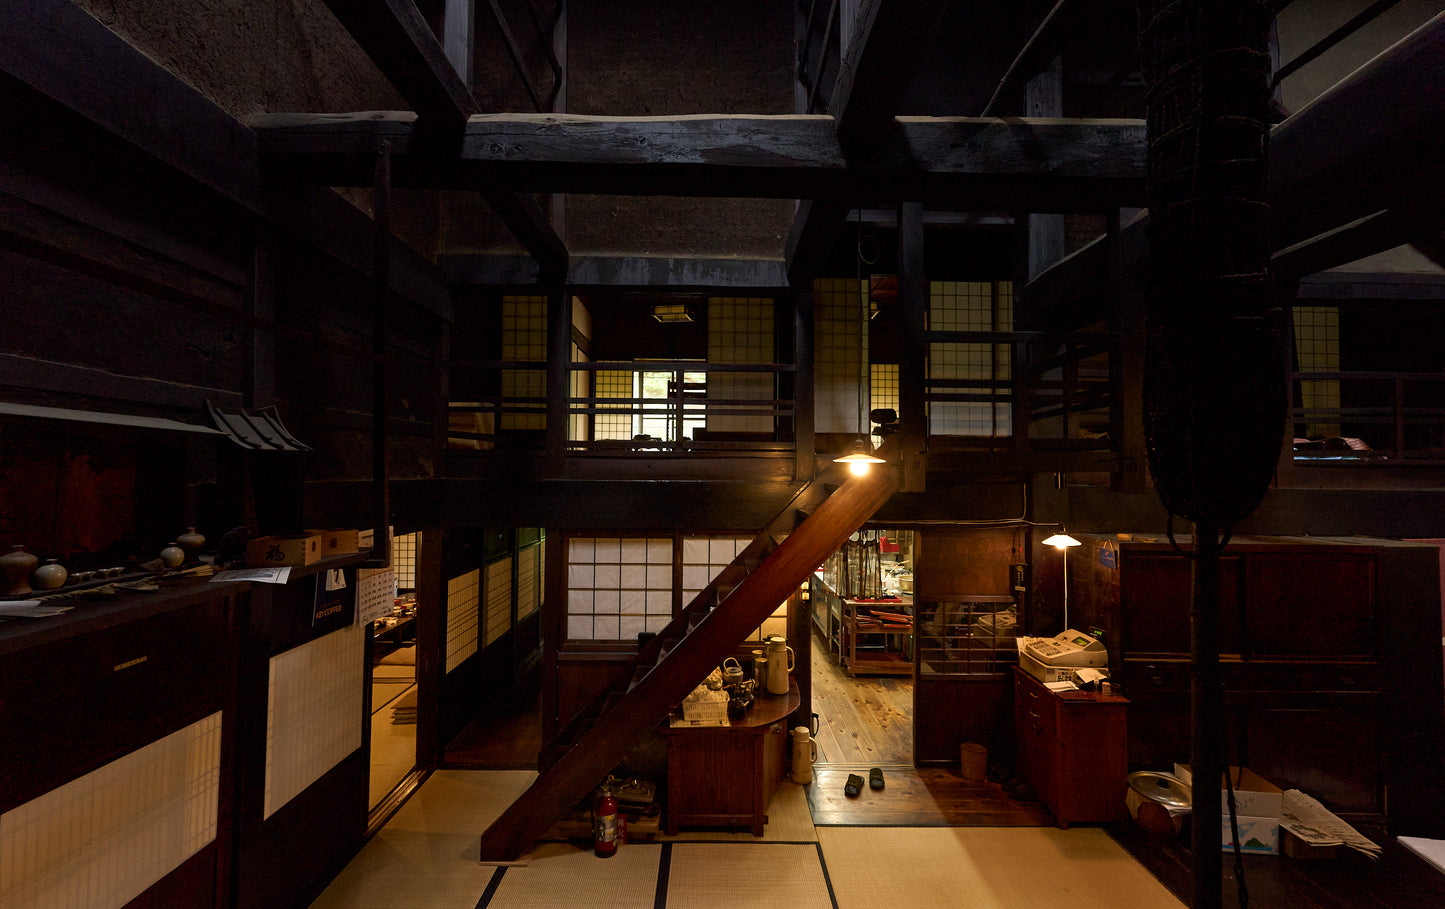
700	637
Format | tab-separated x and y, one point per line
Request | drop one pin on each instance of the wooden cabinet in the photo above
1331	680
1072	749
726	775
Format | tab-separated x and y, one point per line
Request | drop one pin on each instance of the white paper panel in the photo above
313	712
99	841
464	596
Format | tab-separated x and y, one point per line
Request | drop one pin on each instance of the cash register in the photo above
1055	659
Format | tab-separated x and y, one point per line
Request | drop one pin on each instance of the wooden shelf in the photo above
876	660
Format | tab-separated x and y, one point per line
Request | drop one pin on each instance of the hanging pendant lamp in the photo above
858	457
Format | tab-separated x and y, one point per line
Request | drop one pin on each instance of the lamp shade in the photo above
858	457
1061	540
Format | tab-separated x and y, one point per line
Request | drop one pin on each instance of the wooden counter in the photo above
725	775
1072	749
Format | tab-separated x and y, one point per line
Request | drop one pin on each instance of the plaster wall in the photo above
659	57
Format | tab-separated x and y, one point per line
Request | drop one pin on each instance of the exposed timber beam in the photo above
529	223
872	76
57	58
672	273
56	49
1041	49
401	43
1350	175
1366	143
978	164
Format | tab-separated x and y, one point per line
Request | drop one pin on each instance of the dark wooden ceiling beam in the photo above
1372	140
1350	175
401	43
58	50
978	164
1041	48
672	273
872	76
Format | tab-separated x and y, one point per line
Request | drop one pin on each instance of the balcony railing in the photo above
1388	417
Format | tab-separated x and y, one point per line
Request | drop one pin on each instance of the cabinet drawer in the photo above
1303	678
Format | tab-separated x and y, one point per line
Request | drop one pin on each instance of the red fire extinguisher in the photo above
604	822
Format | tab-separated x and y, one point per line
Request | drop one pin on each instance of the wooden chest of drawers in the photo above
1073	750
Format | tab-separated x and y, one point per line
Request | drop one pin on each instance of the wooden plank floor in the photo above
508	737
866	720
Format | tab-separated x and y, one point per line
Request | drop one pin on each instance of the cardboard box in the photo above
275	552
337	542
1257	804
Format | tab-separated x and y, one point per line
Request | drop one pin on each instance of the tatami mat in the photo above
710	875
986	868
427	855
427	858
558	874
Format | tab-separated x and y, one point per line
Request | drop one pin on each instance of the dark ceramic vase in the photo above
16	566
190	541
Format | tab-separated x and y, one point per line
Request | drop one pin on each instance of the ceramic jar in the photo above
172	556
49	576
190	541
16	566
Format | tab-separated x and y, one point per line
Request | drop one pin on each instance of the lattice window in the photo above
618	587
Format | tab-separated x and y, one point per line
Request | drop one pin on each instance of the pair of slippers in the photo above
855	782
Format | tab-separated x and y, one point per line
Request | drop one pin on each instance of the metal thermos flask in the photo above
780	663
805	751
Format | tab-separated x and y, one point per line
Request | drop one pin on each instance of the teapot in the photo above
732	675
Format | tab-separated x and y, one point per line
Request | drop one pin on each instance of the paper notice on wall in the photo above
375	595
1316	825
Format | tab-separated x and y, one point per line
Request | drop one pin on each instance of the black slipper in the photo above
854	786
875	778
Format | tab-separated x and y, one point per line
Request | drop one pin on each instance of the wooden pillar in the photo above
913	294
805	459
1044	97
559	393
381	305
1126	375
431	639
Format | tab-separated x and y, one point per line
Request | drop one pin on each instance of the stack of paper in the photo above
1316	825
30	609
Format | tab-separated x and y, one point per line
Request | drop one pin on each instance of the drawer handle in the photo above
1157	678
1034	715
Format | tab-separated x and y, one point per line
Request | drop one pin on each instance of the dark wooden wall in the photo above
1331	677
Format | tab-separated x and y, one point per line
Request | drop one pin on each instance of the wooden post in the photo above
1206	720
1126	373
559	392
913	293
804	457
380	326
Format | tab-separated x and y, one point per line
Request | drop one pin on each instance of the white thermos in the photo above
780	663
805	751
